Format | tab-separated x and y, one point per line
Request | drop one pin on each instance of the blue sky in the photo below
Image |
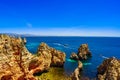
61	17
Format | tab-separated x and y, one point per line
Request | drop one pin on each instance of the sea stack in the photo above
83	53
109	69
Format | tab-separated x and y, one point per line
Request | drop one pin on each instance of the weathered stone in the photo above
83	53
51	56
17	63
109	69
76	73
74	56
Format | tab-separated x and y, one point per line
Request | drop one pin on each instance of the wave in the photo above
104	57
57	44
64	45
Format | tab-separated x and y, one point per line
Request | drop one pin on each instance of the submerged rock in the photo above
109	69
83	53
76	73
52	56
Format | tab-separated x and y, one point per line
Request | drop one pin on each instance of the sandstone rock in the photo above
76	73
14	59
52	56
74	56
17	63
83	53
109	69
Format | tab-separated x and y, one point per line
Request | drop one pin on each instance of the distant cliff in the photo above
18	35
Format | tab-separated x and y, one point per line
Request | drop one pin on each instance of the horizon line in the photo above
34	35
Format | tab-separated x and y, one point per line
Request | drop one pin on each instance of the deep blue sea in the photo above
101	48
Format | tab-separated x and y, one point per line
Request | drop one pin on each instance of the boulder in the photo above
76	73
109	69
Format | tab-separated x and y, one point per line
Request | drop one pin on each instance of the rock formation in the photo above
76	73
52	56
14	59
17	63
83	53
109	69
74	56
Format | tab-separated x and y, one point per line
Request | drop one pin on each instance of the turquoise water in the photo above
101	48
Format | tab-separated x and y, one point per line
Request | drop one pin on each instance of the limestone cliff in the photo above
17	63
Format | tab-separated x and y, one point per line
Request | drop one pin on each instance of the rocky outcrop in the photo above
109	69
83	53
74	56
76	73
52	56
14	59
17	63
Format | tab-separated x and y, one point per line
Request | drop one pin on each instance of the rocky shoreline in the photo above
109	69
17	63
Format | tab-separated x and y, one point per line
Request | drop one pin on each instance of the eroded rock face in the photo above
74	56
14	59
83	53
52	56
17	63
109	69
76	73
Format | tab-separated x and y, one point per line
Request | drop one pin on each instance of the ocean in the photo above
100	47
